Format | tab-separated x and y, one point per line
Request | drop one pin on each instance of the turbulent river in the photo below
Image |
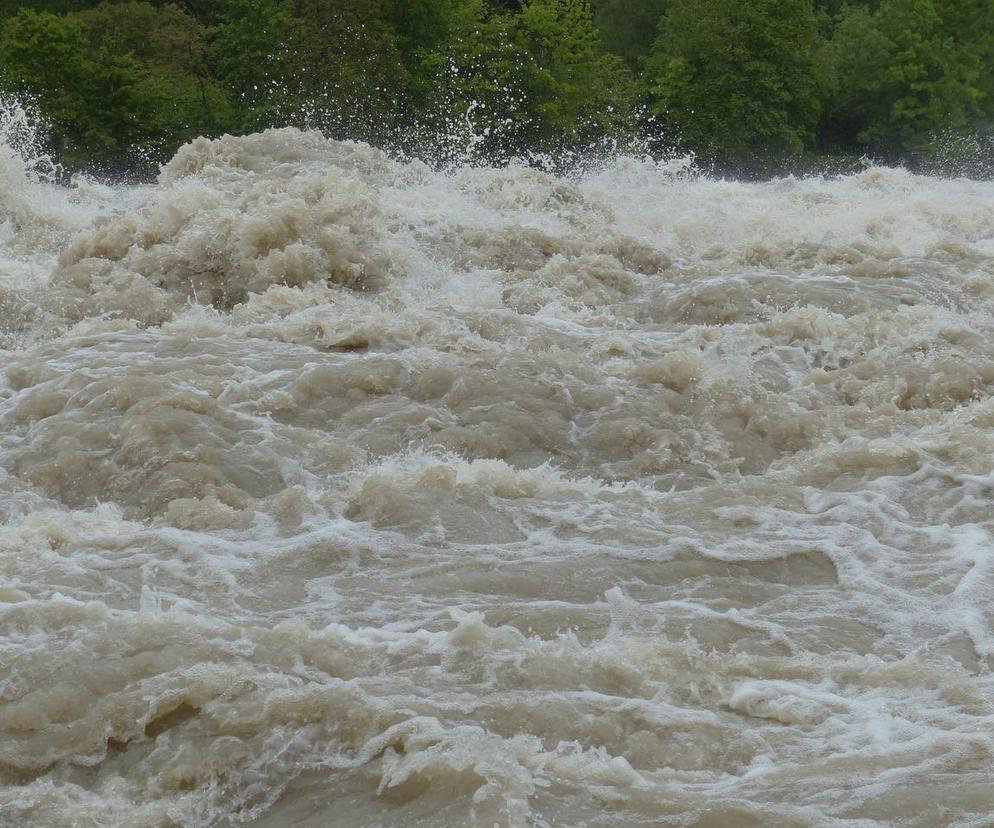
340	491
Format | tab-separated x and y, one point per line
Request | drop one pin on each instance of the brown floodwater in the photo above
340	491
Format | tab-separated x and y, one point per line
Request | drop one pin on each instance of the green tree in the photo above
127	81
736	78
9	8
175	54
628	27
912	70
535	80
92	98
853	60
421	25
254	43
581	93
120	84
346	67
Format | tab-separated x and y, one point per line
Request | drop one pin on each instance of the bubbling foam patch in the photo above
216	230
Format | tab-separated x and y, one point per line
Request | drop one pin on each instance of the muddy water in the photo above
336	491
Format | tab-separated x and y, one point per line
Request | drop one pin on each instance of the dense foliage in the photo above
123	82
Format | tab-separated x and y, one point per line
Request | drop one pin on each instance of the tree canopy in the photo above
736	77
122	83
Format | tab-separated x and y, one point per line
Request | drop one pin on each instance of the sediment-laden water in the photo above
338	491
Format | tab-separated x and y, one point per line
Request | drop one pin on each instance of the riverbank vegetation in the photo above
772	83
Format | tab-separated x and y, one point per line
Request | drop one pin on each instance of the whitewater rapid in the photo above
336	490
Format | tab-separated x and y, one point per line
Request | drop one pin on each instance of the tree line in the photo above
122	83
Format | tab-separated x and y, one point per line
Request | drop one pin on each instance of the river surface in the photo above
339	491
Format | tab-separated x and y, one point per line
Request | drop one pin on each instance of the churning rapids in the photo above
338	491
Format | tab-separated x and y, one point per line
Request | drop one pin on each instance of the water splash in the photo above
23	157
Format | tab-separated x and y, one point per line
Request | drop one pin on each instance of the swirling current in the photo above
336	490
